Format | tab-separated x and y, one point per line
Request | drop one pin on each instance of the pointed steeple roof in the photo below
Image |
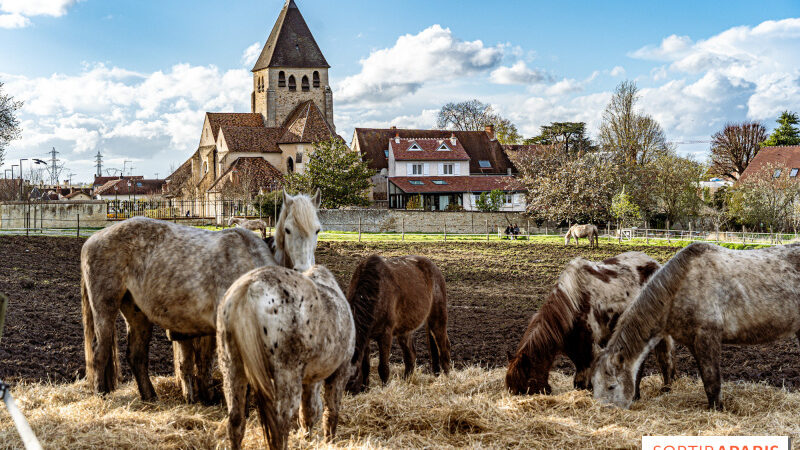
290	43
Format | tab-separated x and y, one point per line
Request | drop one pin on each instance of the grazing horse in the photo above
396	296
252	225
583	231
285	334
705	296
157	272
578	317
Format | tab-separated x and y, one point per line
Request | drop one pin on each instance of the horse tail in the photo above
245	329
363	294
89	340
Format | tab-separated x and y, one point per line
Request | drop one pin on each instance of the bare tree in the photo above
9	124
474	115
734	147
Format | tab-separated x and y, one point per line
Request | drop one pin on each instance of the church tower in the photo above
290	70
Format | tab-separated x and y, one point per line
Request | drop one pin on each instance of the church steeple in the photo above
290	70
290	44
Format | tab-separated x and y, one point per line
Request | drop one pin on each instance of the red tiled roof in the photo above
137	186
479	183
787	156
218	120
99	181
264	173
429	149
306	124
373	142
252	139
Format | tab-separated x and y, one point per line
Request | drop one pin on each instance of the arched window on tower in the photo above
292	83
289	161
304	83
281	79
316	79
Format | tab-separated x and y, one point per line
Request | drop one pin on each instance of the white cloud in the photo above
251	53
19	11
519	73
432	55
617	71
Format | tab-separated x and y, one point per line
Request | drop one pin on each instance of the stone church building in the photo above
291	108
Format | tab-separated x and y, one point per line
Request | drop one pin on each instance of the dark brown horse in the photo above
578	317
394	297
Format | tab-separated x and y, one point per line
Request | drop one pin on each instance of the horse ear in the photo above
317	198
287	199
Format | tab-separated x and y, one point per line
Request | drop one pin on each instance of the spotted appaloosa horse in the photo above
394	297
705	296
285	334
583	231
577	319
252	225
157	272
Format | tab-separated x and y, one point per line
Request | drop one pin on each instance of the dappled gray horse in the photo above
252	225
705	296
156	272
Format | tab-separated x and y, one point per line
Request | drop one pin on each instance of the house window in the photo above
777	173
509	198
443	148
439	182
299	158
484	164
281	79
416	182
292	83
447	169
304	84
416	169
793	173
414	148
289	165
205	167
316	79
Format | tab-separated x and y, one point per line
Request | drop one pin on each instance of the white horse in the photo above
284	333
252	225
583	231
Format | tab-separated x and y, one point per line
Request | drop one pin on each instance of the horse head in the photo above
613	380
231	221
296	231
525	376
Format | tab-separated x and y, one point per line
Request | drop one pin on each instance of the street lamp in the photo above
20	177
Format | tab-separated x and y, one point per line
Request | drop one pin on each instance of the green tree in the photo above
269	203
490	201
474	115
339	173
624	209
765	200
570	136
675	187
9	124
786	133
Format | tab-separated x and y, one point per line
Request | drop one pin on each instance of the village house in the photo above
438	170
240	154
784	162
135	188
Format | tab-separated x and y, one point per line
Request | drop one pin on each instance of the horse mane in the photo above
550	325
363	295
646	315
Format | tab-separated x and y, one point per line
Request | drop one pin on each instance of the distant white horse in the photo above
583	231
284	333
252	225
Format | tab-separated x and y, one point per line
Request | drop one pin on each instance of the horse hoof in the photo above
665	389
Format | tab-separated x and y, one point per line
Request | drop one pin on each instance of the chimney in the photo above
453	138
396	138
509	170
490	131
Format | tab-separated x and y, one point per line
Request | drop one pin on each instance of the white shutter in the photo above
457	168
408	169
426	169
441	169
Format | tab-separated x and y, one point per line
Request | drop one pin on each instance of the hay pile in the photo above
469	409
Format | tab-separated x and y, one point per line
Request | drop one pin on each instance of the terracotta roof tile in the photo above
137	186
265	174
306	124
477	183
428	149
787	156
217	120
252	139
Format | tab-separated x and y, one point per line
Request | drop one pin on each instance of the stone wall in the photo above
390	220
53	214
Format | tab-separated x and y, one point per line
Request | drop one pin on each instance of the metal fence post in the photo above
27	224
487	230
403	229
445	229
78	235
359	228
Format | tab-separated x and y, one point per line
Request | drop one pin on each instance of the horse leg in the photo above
203	360
104	362
334	388
664	357
288	392
384	351
639	373
706	352
436	365
234	385
185	366
365	369
140	330
311	408
409	353
437	324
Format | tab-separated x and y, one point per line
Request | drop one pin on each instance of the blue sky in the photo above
132	79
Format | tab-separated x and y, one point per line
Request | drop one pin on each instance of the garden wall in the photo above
53	214
389	220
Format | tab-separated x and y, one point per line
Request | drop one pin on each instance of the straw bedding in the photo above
470	408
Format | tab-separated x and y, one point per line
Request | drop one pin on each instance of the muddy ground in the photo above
493	289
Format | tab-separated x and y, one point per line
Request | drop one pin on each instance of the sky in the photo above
133	79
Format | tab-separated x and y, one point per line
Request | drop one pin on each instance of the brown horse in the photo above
393	297
705	296
583	231
579	316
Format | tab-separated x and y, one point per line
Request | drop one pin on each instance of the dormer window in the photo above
777	173
443	148
484	164
292	83
414	148
316	79
793	173
281	79
304	84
